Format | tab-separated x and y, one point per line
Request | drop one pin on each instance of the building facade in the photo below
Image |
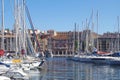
66	43
109	42
62	43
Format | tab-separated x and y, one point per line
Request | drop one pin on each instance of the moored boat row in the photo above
97	59
19	69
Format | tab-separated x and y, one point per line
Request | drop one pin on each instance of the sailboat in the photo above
83	56
33	62
22	42
88	56
100	59
74	45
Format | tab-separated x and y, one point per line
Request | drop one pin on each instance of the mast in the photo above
11	45
74	31
92	39
86	49
24	25
16	25
19	35
2	30
97	31
75	41
81	38
78	39
118	31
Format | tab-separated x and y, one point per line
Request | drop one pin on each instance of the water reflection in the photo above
38	74
62	69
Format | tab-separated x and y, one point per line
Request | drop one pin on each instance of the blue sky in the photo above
60	15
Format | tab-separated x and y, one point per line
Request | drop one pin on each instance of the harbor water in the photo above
63	69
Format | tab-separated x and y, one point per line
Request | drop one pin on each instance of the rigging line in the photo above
32	26
90	19
30	45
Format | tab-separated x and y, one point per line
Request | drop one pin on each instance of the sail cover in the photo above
1	52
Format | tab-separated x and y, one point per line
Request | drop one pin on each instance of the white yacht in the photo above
16	74
31	63
3	69
4	78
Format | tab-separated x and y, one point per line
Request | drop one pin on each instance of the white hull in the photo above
98	59
4	78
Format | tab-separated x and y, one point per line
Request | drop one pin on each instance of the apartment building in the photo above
109	42
64	43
